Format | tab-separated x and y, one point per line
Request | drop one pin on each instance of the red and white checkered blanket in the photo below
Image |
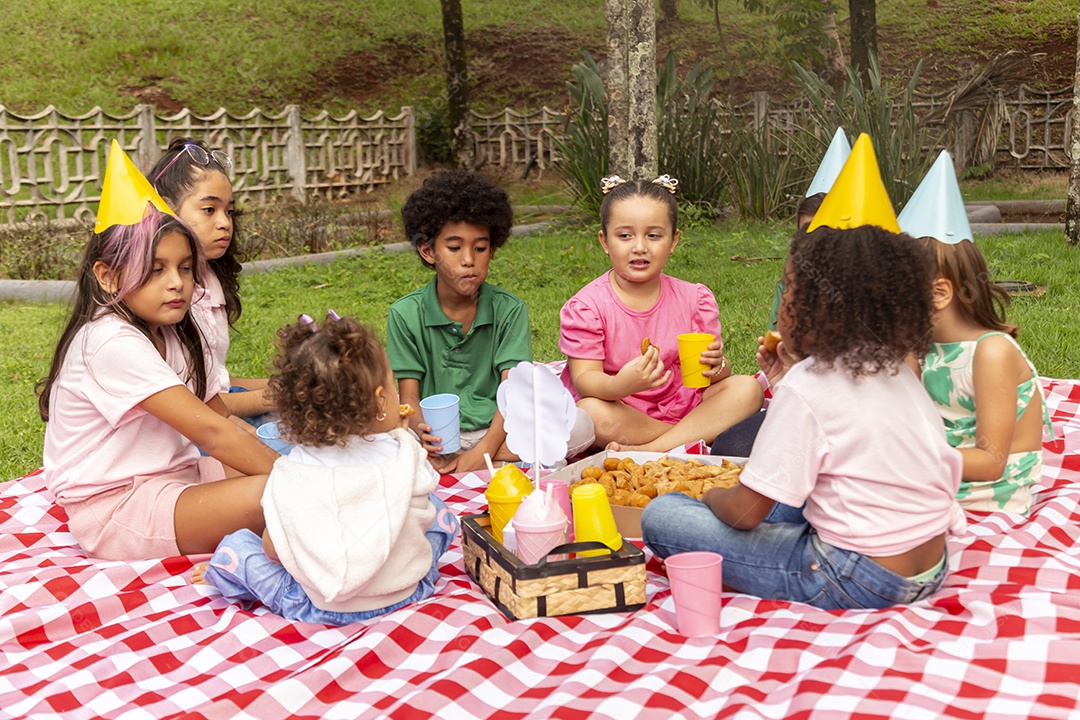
82	638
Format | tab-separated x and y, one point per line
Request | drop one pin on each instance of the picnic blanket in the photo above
82	638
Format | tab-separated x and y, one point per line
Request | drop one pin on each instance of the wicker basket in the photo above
607	583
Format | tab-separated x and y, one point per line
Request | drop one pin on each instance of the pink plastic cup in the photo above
562	496
696	584
534	542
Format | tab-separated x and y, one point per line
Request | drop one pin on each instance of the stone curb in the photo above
64	290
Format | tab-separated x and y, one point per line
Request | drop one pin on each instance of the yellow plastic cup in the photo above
691	345
504	494
593	519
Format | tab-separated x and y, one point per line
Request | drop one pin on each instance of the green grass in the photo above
238	54
1018	185
544	270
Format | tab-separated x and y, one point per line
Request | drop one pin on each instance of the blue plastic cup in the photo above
442	413
268	433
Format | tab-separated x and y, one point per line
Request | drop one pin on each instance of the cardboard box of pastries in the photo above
649	475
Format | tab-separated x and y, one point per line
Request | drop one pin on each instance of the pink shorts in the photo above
135	521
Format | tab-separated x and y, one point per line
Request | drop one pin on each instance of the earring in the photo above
380	417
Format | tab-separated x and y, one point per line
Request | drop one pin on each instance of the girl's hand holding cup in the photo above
714	357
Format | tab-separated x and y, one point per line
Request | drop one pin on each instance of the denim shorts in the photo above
783	558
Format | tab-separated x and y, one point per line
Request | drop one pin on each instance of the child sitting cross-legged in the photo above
849	490
460	334
353	529
620	333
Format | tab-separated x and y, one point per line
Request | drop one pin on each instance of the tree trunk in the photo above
863	34
457	82
631	88
1072	206
833	50
669	11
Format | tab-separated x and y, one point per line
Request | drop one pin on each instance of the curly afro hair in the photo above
860	298
324	389
457	196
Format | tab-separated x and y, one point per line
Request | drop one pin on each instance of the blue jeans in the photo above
738	440
242	572
782	558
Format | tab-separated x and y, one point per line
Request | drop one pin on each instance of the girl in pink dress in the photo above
636	399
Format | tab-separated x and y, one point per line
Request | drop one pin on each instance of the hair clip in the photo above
610	183
667	182
333	314
309	321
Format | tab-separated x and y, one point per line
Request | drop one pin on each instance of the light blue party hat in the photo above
834	159
937	209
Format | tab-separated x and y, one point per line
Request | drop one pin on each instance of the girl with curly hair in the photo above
353	528
850	488
194	181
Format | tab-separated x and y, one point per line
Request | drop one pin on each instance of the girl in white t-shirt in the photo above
850	488
131	392
193	179
353	527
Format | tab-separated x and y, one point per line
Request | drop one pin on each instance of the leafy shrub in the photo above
767	170
41	251
689	142
895	131
434	136
583	147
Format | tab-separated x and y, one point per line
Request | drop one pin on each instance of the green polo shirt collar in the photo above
434	316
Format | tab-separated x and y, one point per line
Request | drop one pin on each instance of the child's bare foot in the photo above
197	574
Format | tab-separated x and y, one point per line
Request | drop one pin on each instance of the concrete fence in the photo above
51	164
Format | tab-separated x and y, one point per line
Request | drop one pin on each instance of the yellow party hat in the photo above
858	196
125	193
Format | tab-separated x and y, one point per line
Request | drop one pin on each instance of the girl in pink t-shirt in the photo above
850	488
631	389
131	392
194	181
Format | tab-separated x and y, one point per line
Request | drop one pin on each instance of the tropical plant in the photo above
689	143
583	147
767	169
690	146
898	136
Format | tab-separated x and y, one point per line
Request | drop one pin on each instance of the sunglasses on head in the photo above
201	157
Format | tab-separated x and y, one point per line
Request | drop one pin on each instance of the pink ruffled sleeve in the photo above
581	333
707	312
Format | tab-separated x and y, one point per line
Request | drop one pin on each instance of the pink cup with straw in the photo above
696	584
539	525
562	497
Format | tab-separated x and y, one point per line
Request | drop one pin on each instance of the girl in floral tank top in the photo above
975	362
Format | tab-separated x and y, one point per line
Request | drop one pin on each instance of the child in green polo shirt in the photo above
458	334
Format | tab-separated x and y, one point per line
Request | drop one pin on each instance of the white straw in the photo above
536	425
491	468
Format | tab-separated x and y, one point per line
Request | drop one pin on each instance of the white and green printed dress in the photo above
947	376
